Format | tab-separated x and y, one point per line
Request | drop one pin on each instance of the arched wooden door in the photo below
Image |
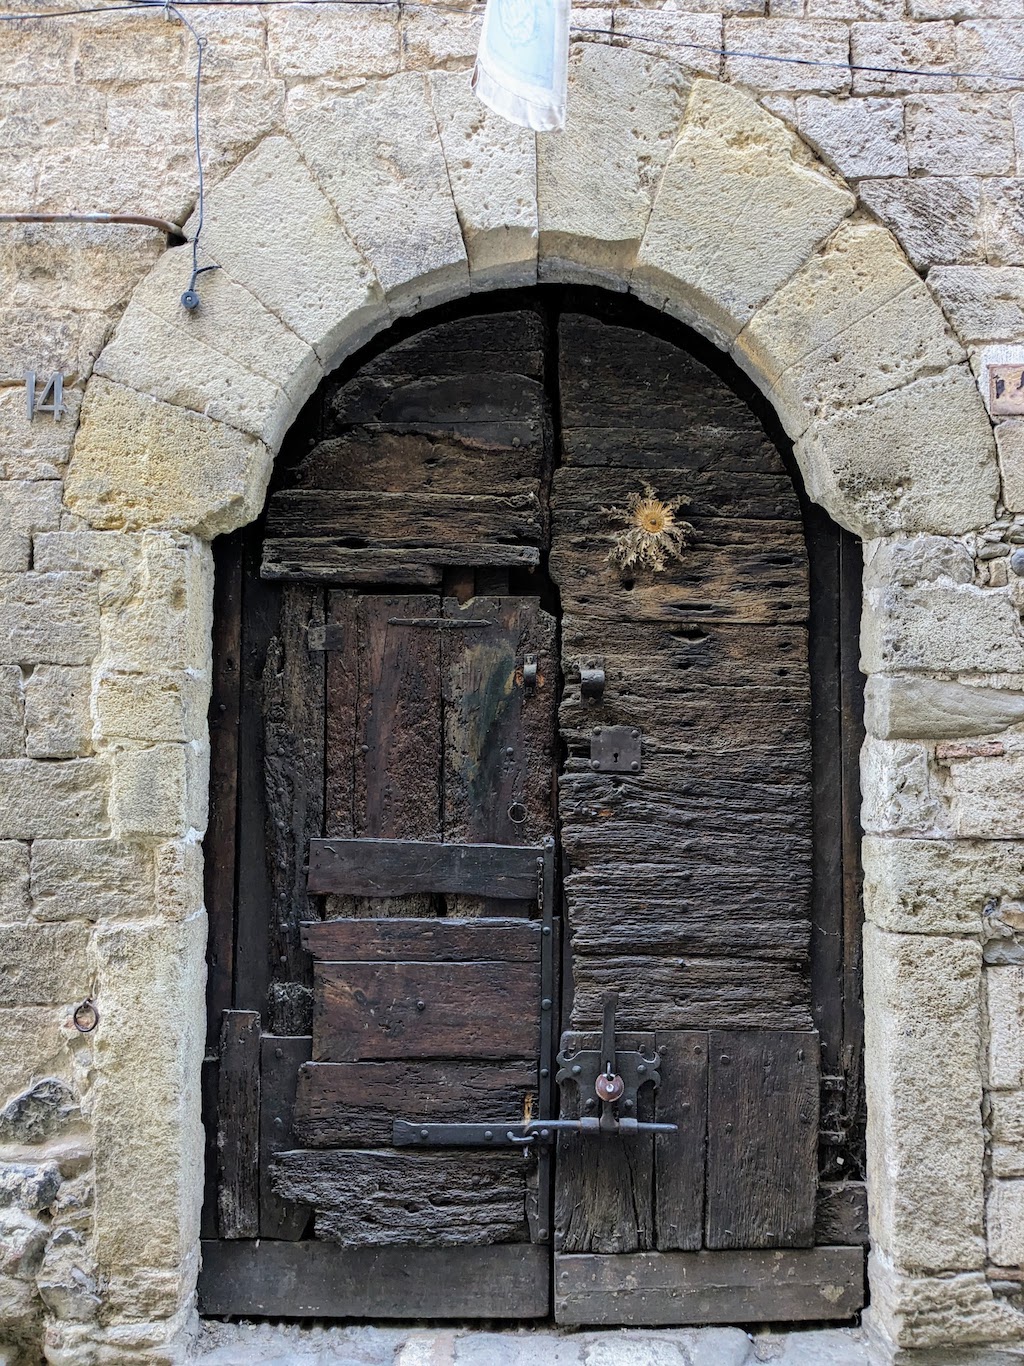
532	871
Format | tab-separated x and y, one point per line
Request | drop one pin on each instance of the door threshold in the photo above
293	1344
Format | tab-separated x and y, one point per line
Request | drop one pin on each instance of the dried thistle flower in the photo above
652	533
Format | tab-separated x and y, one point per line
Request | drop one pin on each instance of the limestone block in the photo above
86	173
391	192
910	561
925	1142
57	717
48	618
994	44
1004	1000
1002	219
1005	1211
33	1043
984	303
90	879
179	878
231	322
165	619
901	795
1006	1130
959	135
131	51
946	1311
856	137
149	791
1010	445
146	1106
158	706
987	796
738	212
35	450
274	232
12	712
917	47
45	964
438	40
40	798
103	552
43	338
854	322
917	708
26	506
596	181
821	40
941	626
45	1110
935	218
931	886
303	44
919	458
14	864
492	166
140	462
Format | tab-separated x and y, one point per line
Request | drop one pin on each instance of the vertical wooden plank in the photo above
679	1158
604	1185
499	731
220	841
293	711
238	1119
398	763
260	610
762	1138
209	1084
340	708
280	1060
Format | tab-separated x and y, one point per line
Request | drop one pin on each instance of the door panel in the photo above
432	570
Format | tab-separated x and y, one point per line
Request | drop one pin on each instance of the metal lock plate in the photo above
615	749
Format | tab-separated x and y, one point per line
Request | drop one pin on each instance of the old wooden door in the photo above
525	642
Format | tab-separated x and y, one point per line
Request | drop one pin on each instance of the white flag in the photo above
522	66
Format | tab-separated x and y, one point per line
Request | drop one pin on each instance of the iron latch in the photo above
615	749
608	1080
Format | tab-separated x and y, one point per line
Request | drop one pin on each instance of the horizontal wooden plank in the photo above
397	520
823	1283
426	940
446	1198
325	561
364	1011
709	654
443	403
406	867
706	493
666	992
314	1279
356	1102
710	716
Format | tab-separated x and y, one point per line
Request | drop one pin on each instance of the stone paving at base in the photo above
238	1344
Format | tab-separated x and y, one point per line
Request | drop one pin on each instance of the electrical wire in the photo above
650	41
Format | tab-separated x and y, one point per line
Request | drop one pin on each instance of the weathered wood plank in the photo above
693	993
379	1199
604	1187
421	940
762	1139
679	1158
710	493
281	1057
356	1102
710	1287
293	716
499	734
716	717
364	1011
322	561
841	1214
398	521
404	867
321	1280
238	1124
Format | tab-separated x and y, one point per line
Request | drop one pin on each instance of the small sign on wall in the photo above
1006	390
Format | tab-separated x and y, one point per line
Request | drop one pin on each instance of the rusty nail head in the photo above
86	1017
421	1005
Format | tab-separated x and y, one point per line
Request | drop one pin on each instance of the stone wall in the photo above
105	593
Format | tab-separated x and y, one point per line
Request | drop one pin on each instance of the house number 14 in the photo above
48	399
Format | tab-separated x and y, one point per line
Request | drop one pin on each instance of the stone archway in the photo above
402	193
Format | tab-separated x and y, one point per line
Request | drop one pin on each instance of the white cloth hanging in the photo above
522	65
